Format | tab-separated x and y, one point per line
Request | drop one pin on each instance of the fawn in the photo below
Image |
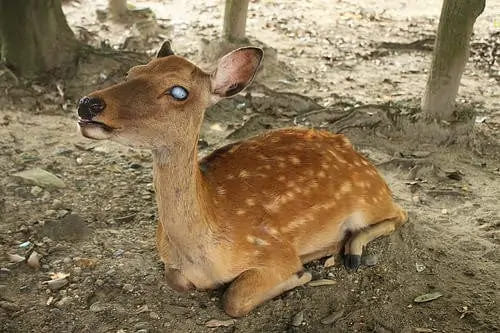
253	212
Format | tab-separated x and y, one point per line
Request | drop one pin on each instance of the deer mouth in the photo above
94	129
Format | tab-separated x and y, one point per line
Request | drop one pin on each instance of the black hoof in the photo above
352	261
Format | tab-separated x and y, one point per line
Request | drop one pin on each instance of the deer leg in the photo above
329	252
176	280
174	277
255	286
354	246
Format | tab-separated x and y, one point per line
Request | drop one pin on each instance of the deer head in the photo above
161	104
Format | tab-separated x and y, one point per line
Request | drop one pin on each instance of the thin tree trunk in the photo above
235	20
450	55
35	36
117	8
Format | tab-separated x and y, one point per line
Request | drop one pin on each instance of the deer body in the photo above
251	213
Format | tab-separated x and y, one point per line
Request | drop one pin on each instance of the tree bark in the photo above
117	8
235	20
35	36
450	55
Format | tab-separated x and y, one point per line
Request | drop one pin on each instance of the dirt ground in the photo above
339	66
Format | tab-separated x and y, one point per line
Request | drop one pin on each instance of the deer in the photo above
252	213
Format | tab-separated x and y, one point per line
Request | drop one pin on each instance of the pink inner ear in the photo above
235	71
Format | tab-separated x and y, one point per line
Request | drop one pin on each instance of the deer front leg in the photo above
255	286
173	276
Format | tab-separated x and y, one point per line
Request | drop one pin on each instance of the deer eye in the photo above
179	93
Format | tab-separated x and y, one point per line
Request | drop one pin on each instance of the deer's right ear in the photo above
235	72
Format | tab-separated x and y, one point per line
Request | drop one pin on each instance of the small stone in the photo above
220	323
4	272
99	282
444	211
61	213
79	161
128	287
40	177
97	307
419	267
57	283
34	260
9	306
70	227
36	191
298	319
369	260
154	315
177	309
15	258
67	260
332	318
329	262
64	302
57	204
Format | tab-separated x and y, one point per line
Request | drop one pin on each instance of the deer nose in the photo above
89	107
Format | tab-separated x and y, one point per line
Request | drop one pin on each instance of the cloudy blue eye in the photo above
179	93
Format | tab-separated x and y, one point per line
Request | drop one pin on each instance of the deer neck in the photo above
179	192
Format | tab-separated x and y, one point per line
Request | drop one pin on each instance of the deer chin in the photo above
95	130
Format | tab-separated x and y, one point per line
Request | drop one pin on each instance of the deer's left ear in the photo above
235	71
165	50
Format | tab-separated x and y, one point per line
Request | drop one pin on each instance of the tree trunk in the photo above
35	36
450	55
235	20
117	8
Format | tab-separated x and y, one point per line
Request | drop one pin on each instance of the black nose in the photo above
89	107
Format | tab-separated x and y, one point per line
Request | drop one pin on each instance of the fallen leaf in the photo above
322	282
219	323
427	297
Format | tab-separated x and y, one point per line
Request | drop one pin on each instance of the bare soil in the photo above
339	66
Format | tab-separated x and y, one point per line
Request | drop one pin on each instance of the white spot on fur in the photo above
250	202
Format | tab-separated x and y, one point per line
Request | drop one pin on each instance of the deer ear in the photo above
165	50
235	71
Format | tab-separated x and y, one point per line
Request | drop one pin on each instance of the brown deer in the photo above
253	212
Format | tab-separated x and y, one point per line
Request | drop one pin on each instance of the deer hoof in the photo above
352	261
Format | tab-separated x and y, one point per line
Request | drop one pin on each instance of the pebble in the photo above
332	318
57	283
298	319
220	323
97	307
36	191
40	177
57	204
369	260
64	302
444	211
4	272
128	287
177	309
154	315
67	260
79	161
99	282
34	260
9	306
329	262
15	258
